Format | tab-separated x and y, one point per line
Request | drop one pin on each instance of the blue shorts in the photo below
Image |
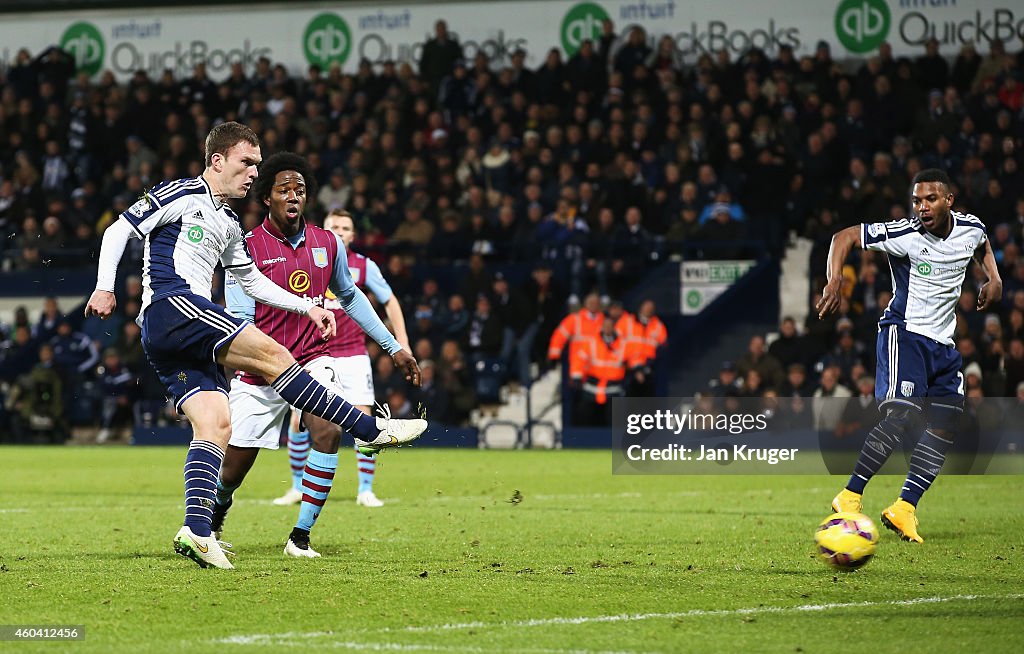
919	372
181	335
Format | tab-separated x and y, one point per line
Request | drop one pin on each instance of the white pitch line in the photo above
283	638
697	613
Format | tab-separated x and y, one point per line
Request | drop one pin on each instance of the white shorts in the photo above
258	412
355	378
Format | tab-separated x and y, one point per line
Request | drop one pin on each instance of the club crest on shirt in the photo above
320	257
907	389
875	230
355	274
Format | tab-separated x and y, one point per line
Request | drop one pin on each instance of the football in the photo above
846	540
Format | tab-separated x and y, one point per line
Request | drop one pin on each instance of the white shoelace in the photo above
384	411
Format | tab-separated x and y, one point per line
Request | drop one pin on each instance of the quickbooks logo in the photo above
862	25
85	43
327	39
924	268
582	22
195	233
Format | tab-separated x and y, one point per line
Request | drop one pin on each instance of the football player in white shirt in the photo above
918	374
189	228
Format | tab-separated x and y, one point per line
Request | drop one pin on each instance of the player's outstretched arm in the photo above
992	290
115	238
842	242
393	310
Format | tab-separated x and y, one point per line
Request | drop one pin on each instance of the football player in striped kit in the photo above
189	228
918	372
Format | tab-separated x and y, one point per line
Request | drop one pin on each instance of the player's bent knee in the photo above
276	360
900	418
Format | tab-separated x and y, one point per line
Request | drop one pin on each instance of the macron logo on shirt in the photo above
267	262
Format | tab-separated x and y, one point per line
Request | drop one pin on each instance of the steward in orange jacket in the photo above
650	329
600	363
585	323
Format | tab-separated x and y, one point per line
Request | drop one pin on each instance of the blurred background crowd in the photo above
498	197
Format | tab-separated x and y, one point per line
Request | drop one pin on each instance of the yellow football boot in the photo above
901	517
847	502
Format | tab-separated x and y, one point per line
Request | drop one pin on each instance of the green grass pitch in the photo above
494	551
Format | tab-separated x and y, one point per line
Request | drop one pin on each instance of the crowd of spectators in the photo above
594	166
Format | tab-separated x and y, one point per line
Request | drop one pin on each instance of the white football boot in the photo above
394	432
369	500
204	550
290	497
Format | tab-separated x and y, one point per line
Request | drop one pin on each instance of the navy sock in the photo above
202	465
925	463
300	390
881	441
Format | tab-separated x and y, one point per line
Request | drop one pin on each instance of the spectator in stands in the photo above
37	398
431	394
484	335
788	348
519	331
1013	365
74	354
19	354
335	193
439	55
49	319
757	358
847	352
456	378
117	386
860	413
723	231
828	404
727	383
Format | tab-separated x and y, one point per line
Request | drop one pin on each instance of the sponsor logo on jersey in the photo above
267	262
320	257
140	207
196	233
924	268
197	215
924	252
299	281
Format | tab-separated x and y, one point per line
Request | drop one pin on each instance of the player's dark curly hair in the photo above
274	164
